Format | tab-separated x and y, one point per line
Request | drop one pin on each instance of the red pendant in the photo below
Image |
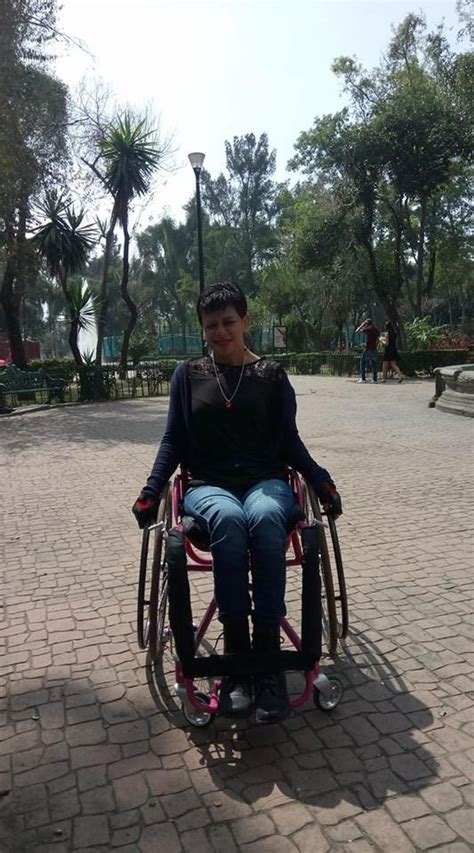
228	404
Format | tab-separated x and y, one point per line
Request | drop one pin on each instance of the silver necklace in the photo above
228	400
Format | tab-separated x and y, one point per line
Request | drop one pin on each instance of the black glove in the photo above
330	498
145	508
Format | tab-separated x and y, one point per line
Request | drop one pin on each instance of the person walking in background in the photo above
390	354
369	356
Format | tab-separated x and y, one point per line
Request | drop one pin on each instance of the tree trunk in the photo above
431	272
126	298
74	322
420	259
104	301
408	287
389	307
12	315
73	335
181	313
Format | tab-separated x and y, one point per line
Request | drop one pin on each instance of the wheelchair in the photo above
164	614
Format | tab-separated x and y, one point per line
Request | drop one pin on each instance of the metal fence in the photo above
91	383
153	379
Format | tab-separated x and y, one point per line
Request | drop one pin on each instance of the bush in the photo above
454	341
425	361
421	334
102	384
347	363
65	367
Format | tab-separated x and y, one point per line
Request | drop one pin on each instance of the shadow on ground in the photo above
369	748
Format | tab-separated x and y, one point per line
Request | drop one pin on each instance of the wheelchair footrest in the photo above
254	662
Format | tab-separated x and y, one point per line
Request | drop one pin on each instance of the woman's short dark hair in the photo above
219	296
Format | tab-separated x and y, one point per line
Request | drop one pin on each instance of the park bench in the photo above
15	383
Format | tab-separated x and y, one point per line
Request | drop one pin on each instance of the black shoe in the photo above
272	702
235	696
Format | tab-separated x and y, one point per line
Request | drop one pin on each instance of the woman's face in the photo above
224	332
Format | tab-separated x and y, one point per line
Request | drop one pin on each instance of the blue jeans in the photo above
371	357
241	523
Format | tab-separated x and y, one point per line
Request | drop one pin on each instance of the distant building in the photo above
32	350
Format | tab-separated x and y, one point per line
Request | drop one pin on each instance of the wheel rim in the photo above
341	596
328	703
159	585
195	717
162	609
328	607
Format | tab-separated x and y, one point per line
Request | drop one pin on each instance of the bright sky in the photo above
216	69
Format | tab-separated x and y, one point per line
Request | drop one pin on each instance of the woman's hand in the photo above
330	498
145	508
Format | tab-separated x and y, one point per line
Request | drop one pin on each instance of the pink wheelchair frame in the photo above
199	709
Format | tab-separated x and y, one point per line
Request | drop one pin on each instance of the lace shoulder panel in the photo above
269	371
200	366
265	369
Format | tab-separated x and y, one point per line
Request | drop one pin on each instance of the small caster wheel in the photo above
326	702
199	719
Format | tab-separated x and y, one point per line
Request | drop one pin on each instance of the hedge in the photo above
425	361
331	363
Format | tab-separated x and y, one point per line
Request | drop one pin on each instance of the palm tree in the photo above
64	242
81	304
131	155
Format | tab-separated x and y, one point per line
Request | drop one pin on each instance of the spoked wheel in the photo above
153	583
341	592
327	702
142	623
328	602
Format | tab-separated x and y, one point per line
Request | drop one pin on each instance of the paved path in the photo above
94	753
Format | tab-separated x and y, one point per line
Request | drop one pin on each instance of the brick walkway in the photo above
94	753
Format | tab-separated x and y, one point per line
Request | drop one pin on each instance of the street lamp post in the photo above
197	159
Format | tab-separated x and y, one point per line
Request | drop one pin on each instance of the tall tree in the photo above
243	204
123	153
165	253
131	155
64	242
389	158
32	142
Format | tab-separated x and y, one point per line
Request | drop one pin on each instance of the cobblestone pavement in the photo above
94	751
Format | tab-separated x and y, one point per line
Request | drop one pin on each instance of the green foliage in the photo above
82	305
65	367
130	154
425	361
140	346
63	240
421	333
33	145
242	205
165	286
380	170
331	363
347	363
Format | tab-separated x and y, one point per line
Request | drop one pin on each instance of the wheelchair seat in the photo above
199	536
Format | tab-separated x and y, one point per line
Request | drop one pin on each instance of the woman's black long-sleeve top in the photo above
234	446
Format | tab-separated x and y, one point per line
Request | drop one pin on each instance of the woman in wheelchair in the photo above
232	425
